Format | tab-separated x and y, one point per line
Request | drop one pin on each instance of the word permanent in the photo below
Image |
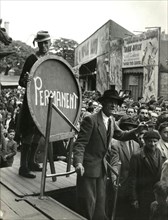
60	99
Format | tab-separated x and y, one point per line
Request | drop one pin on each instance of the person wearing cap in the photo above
29	133
121	151
89	155
144	172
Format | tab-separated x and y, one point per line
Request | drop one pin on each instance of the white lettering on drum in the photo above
60	99
36	81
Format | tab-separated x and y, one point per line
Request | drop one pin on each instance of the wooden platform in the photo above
19	196
23	186
13	210
33	208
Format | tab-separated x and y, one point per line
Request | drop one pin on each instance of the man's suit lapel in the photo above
125	150
101	128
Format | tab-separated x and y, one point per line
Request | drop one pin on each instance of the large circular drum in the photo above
53	75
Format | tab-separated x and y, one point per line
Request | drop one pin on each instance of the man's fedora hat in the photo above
42	36
111	94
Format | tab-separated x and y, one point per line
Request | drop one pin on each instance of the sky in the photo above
78	20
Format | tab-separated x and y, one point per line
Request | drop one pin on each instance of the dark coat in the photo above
142	178
120	152
91	146
90	149
25	122
158	211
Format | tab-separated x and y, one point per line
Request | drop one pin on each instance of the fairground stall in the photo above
114	58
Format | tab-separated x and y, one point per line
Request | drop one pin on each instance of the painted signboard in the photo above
95	45
143	51
140	50
53	76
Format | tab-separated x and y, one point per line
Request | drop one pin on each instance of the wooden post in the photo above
51	161
47	138
69	155
116	192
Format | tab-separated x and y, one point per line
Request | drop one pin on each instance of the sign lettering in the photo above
61	99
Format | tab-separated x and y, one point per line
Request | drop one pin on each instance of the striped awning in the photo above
133	70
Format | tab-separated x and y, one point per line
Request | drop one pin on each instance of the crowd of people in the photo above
119	139
143	159
140	172
10	104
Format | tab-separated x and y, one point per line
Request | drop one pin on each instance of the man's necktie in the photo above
108	130
130	148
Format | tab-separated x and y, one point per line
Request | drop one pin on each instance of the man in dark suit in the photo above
121	151
90	149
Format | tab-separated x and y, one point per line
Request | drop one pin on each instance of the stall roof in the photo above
9	83
116	31
9	80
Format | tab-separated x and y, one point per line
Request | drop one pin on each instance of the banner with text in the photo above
141	50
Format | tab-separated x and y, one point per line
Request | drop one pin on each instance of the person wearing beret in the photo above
26	127
89	155
121	151
145	171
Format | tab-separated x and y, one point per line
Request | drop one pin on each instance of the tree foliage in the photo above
62	47
16	60
65	48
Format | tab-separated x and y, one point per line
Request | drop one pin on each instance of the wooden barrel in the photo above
53	75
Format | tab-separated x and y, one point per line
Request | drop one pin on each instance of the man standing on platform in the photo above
90	149
30	135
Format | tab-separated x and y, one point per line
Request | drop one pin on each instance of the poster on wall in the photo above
133	80
141	50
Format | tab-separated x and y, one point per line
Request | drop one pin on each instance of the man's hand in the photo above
115	186
5	157
135	204
80	169
142	126
27	77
